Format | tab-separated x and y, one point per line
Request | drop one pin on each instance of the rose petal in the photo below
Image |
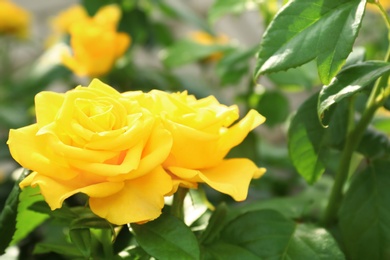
47	105
231	176
155	151
140	200
56	192
237	133
35	154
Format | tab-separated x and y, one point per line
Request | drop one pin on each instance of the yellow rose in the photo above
96	44
207	39
203	134
96	141
13	19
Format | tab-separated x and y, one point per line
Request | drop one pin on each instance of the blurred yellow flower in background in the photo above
63	21
208	39
96	44
14	20
203	134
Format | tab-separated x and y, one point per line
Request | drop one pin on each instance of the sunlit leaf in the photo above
27	219
365	214
304	30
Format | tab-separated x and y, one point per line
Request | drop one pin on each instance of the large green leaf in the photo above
269	235
304	133
365	214
187	51
309	141
305	30
350	81
167	237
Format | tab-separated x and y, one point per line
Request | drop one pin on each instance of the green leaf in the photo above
350	81
133	253
309	141
135	23
274	106
305	76
8	216
365	214
187	51
27	219
234	65
81	237
324	30
222	251
167	237
181	11
269	235
374	144
309	204
304	135
67	250
215	225
223	7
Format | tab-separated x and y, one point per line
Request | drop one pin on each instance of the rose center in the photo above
98	112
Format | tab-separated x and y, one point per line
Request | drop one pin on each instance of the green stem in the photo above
177	208
354	135
384	14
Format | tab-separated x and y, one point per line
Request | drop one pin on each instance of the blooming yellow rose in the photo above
96	141
13	19
203	134
96	44
208	39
